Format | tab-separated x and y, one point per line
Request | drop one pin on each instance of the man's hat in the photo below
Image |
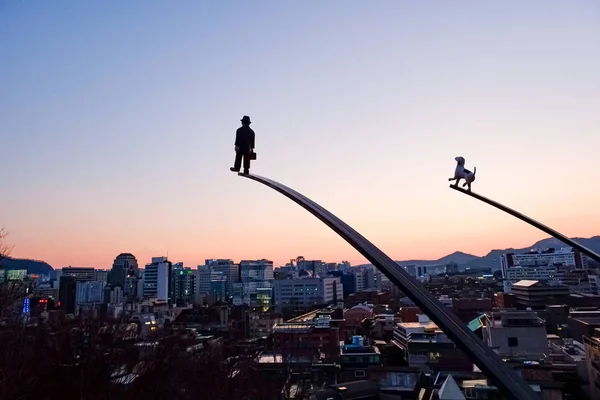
245	119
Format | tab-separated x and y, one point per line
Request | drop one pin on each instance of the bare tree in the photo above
10	291
89	360
4	248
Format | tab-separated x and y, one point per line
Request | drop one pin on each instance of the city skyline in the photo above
118	129
194	264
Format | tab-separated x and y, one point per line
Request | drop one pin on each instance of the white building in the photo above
305	292
414	337
359	278
549	274
565	256
157	279
516	334
550	266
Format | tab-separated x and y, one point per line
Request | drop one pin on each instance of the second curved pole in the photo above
555	234
512	385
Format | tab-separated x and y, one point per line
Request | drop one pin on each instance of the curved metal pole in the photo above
485	358
590	253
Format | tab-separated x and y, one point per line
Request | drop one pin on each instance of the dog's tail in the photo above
474	170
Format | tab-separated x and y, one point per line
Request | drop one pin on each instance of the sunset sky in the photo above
117	122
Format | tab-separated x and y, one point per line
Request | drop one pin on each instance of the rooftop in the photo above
291	327
483	384
450	390
588	320
430	325
362	307
359	350
277	358
525	283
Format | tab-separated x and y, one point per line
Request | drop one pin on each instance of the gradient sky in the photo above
117	122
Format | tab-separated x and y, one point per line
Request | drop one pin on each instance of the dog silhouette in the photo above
462	173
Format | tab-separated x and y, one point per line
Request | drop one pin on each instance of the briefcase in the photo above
253	156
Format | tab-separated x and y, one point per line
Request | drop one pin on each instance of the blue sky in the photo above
117	122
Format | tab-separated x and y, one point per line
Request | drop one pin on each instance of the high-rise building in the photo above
251	293
254	288
67	293
348	280
116	295
256	270
90	292
157	279
218	284
203	275
80	274
312	266
378	280
359	280
125	265
230	270
369	278
184	283
131	288
175	292
139	293
102	275
306	292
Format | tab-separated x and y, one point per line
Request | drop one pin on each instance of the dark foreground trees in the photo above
90	360
11	292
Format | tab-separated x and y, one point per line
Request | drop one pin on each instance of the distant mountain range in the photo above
464	260
32	266
492	259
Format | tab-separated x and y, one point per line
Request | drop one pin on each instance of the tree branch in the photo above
4	248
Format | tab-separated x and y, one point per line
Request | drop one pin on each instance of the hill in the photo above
32	266
457	257
492	259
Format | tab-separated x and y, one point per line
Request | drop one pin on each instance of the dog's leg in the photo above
457	181
469	187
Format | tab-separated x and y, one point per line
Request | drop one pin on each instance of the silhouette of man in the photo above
244	146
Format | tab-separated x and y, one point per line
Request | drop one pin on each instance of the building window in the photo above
359	373
513	342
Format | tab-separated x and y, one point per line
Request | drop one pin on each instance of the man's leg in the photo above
237	163
246	163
